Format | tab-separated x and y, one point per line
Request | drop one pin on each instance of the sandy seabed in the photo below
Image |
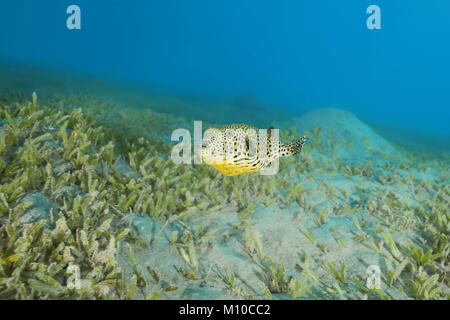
88	185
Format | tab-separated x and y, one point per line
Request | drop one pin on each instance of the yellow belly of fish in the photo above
234	169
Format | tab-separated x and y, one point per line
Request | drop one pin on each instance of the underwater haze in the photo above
296	54
113	181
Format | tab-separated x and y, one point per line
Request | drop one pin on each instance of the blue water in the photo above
298	55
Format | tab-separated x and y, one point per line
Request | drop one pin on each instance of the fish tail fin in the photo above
295	146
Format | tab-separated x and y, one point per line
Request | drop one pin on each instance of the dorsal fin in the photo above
269	131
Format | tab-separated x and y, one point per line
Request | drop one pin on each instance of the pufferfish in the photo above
235	149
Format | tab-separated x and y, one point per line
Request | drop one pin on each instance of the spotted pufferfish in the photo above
242	143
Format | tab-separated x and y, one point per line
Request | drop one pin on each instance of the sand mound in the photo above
333	130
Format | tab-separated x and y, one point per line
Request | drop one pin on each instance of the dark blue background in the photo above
301	54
